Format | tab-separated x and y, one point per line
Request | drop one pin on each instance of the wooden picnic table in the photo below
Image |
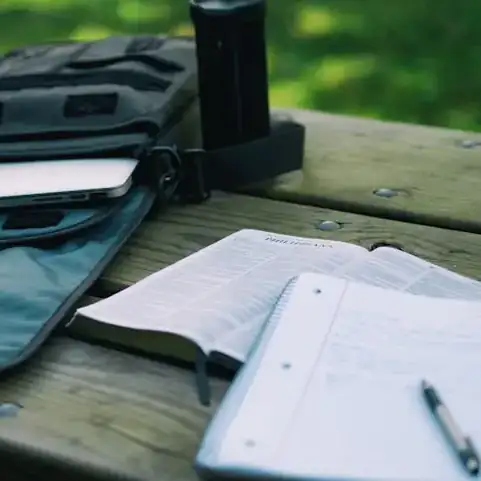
92	412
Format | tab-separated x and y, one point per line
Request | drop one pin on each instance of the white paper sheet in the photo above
349	404
221	296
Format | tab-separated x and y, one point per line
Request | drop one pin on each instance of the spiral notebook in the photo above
332	391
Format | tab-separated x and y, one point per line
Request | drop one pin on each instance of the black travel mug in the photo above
232	70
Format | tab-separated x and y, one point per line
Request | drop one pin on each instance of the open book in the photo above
331	391
219	297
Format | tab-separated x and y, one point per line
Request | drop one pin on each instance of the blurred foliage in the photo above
406	60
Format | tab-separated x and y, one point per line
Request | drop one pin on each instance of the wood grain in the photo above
171	235
92	413
436	171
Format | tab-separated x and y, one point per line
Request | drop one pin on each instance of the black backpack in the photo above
133	96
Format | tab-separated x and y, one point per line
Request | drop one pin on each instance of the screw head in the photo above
384	192
470	144
329	225
8	410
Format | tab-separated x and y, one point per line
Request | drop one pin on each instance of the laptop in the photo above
59	181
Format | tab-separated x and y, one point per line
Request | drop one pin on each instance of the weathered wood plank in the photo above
436	170
171	235
92	413
94	409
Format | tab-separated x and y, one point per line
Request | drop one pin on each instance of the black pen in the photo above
462	444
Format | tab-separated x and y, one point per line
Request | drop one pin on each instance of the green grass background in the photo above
416	61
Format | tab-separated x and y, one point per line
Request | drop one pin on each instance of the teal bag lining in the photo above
67	271
72	221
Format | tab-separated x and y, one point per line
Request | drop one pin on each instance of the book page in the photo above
384	267
394	269
349	405
238	343
220	296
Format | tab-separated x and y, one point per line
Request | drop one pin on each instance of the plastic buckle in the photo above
166	165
